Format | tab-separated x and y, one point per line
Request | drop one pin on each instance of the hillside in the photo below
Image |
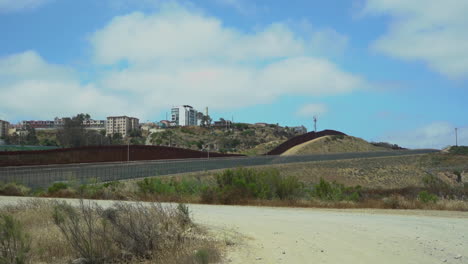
297	140
242	138
332	144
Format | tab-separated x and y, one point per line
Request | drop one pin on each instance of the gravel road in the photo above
295	235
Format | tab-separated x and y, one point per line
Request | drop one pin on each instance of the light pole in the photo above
207	147
128	150
456	137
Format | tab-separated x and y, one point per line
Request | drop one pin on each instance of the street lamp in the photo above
207	147
128	150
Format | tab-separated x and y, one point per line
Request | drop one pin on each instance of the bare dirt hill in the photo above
332	144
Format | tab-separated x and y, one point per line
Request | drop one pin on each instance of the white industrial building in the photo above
184	115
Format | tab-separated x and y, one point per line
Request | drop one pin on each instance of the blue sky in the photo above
382	70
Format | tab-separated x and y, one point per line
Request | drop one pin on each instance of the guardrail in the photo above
43	176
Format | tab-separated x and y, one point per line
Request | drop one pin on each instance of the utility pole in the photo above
315	124
456	137
128	150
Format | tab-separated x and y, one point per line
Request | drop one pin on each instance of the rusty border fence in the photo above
43	176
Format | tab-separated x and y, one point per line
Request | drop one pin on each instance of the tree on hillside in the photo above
206	121
31	137
73	133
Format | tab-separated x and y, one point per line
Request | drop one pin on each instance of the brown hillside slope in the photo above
333	144
302	139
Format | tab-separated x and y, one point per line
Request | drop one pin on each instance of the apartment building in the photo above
121	124
4	127
184	115
59	122
38	124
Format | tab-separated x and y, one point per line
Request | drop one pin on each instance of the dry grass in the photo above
384	172
189	245
394	202
332	144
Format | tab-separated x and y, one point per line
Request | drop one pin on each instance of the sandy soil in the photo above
293	235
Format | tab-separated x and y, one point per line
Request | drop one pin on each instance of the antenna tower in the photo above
315	124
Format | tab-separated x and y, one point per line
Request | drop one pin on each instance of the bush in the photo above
14	189
240	185
391	202
14	242
459	150
56	187
122	232
335	191
427	197
207	255
183	213
144	230
87	236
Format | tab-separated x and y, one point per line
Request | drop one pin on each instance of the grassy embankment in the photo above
397	182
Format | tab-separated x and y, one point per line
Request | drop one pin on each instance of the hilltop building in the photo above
184	115
38	124
59	122
299	129
4	127
222	123
121	124
164	124
88	124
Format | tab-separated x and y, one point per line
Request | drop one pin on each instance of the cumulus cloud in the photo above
7	6
179	55
144	63
435	135
432	31
29	86
309	110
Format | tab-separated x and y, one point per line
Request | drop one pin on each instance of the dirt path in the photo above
290	235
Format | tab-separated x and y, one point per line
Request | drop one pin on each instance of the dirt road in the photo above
290	235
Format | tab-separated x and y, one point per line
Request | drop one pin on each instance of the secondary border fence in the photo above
43	176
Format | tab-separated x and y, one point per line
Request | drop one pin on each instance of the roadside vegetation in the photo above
459	150
40	231
265	186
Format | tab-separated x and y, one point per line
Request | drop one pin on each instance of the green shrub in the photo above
56	187
14	242
391	202
14	189
426	197
335	192
234	186
249	132
183	213
459	150
328	191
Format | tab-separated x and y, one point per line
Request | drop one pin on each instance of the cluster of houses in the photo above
184	115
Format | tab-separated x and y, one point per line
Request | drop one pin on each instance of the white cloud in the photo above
7	6
310	110
29	86
179	56
242	6
435	135
181	34
147	62
432	31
